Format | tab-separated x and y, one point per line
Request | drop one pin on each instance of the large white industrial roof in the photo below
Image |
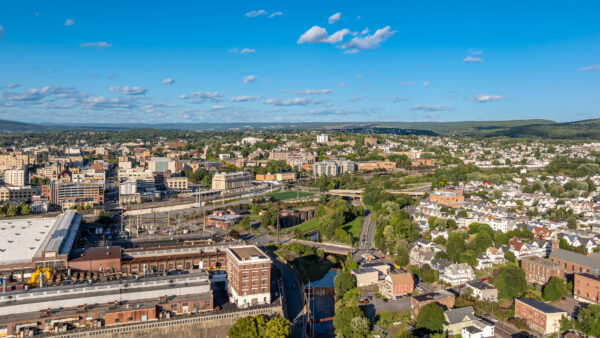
20	239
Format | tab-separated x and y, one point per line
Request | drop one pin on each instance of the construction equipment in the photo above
45	273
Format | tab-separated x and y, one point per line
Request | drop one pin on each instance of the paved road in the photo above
294	299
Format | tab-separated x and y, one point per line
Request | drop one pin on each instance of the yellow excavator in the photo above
34	281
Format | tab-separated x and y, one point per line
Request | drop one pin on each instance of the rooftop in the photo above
541	261
480	285
573	257
433	295
247	253
540	306
21	238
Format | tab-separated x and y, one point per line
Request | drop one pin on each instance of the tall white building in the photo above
322	138
15	177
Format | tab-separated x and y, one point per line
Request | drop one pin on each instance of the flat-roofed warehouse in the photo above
28	243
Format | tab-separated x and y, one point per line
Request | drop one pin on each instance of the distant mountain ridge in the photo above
586	129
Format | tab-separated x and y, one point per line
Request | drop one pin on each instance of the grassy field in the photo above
386	321
288	195
354	228
306	226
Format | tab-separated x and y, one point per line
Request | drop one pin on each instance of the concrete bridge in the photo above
332	248
357	193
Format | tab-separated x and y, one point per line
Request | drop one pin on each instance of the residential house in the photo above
483	261
496	254
482	291
365	276
457	319
457	274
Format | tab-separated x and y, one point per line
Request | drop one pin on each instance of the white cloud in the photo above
69	22
365	31
200	97
243	50
359	76
421	107
256	13
318	34
335	17
275	14
476	52
315	92
102	102
167	81
249	79
593	68
217	107
486	97
298	101
101	44
369	41
472	59
12	85
245	98
409	83
342	84
426	83
127	90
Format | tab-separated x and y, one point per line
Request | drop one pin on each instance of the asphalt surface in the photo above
294	299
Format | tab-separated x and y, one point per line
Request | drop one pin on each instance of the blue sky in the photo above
289	61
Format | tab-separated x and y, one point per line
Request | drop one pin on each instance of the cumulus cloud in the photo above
408	83
245	98
426	83
342	84
593	68
102	102
365	31
422	107
314	92
35	95
128	90
12	85
253	14
217	107
249	79
242	51
275	14
335	17
476	52
369	41
69	22
101	44
298	101
473	59
167	81
486	97
200	97
318	34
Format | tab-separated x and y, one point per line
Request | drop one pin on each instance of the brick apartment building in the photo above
574	262
248	276
442	297
447	197
587	288
397	284
541	317
539	270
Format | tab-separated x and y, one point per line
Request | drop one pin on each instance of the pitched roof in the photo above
458	315
574	257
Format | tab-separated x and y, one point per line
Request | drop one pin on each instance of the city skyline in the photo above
155	62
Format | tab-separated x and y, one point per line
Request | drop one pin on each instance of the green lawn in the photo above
354	227
312	267
386	321
306	226
288	195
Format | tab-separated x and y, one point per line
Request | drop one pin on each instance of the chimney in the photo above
3	284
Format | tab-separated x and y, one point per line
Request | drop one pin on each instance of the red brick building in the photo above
539	270
573	262
586	288
442	297
248	276
541	317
